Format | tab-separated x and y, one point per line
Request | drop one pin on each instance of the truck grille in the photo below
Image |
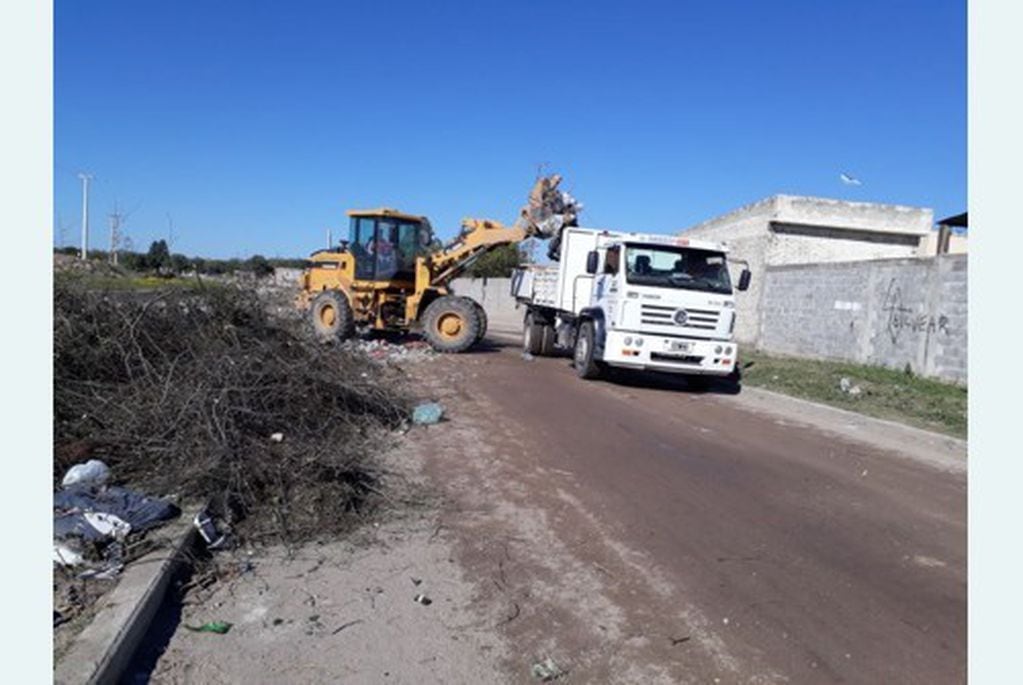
661	315
677	358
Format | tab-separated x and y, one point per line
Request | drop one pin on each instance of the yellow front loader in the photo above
387	277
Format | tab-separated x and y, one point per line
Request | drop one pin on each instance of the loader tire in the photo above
582	358
481	314
451	324
331	316
547	338
532	335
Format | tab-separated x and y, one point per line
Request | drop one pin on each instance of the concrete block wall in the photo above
495	296
890	312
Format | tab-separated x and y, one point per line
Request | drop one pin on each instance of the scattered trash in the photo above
846	386
64	555
203	522
528	357
725	620
218	627
91	521
387	352
92	472
427	413
345	625
422	599
547	670
679	640
416	581
277	437
107	525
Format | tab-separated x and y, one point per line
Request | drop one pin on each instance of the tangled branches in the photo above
182	393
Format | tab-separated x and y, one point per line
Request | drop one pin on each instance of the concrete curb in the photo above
103	650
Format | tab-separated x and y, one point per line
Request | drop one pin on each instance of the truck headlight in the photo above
628	340
718	349
639	342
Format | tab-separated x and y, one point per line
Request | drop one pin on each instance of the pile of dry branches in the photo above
183	393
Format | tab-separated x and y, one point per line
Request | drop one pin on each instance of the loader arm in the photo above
478	237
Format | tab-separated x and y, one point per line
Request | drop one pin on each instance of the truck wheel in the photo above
585	366
532	335
547	338
451	324
332	316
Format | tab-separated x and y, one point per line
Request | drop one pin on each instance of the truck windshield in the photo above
677	267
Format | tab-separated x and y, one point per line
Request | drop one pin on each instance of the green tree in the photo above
158	256
259	265
180	262
498	263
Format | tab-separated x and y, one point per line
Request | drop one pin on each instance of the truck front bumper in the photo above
672	355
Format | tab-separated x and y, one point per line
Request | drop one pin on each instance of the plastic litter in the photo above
203	522
108	525
218	627
547	670
528	357
277	437
427	413
64	555
92	472
422	599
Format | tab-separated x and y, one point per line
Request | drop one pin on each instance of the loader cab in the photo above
386	243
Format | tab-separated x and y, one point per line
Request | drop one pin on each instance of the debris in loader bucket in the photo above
548	209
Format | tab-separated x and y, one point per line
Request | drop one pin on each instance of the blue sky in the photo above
256	124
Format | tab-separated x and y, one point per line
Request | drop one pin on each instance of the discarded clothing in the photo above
137	510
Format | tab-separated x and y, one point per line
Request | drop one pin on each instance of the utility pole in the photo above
116	218
330	238
170	232
85	213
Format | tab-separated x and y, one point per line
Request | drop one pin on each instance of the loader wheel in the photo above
332	316
481	314
532	335
585	365
451	324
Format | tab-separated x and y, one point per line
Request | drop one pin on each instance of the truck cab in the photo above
638	301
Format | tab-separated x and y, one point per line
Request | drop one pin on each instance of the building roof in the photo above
958	220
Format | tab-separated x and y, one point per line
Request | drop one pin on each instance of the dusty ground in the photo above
633	533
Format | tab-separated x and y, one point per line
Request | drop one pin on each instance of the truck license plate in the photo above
679	346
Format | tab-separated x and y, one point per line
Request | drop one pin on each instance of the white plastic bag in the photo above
92	472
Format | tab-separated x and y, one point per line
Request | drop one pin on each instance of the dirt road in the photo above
783	552
627	532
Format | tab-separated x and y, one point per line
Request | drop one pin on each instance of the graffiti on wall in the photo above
902	319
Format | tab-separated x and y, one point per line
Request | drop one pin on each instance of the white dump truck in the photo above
637	301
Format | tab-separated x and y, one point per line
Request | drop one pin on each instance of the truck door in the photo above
606	289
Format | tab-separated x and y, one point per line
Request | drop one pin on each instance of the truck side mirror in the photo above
744	278
591	262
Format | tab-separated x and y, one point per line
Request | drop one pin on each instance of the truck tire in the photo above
585	342
451	324
547	338
331	316
532	335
